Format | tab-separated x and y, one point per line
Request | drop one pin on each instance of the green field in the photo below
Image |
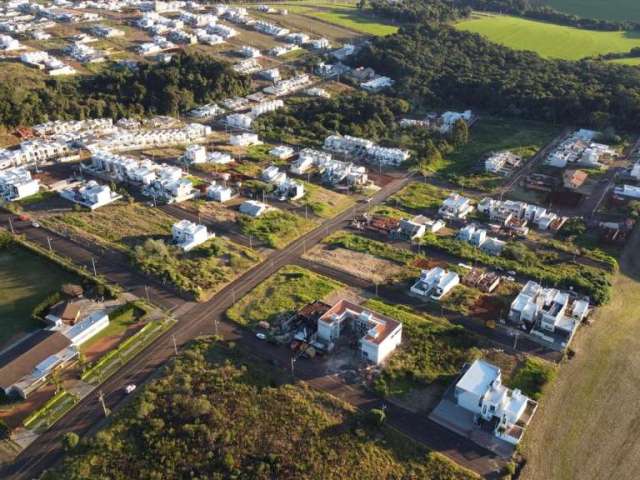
344	14
25	280
626	61
549	40
606	9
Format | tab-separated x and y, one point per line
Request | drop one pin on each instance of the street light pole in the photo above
175	345
93	264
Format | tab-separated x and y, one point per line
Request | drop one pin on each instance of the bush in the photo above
533	376
70	441
5	431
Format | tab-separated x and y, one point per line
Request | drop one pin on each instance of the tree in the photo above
70	441
5	431
460	133
376	417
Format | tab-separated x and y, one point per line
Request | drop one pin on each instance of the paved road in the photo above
206	318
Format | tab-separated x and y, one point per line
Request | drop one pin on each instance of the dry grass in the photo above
589	417
361	265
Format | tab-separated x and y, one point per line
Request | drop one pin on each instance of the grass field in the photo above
606	9
626	61
276	228
25	280
589	416
465	166
344	14
324	203
549	40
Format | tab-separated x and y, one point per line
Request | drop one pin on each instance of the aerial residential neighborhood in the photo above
316	239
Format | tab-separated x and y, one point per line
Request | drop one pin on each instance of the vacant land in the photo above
620	10
465	166
25	280
549	40
324	203
283	293
217	413
597	436
121	225
358	264
276	228
418	197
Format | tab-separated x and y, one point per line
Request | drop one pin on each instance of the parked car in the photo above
35	224
261	336
129	388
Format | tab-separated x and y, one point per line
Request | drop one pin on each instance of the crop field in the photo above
597	436
605	9
25	281
549	40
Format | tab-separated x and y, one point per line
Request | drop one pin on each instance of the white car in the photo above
261	336
129	388
35	224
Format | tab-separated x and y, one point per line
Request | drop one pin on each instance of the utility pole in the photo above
515	340
215	323
250	241
11	225
293	364
93	264
146	291
175	345
49	242
104	405
376	284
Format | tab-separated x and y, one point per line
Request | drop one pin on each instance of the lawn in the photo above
549	40
324	203
597	436
120	225
283	293
276	228
621	10
119	321
25	280
465	166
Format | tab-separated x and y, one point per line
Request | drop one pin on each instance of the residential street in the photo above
207	318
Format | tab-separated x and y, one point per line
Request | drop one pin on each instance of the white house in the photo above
91	195
249	52
219	193
480	391
552	314
282	152
377	84
244	139
188	235
456	207
86	328
435	283
273	175
195	154
627	191
501	162
449	119
254	208
478	238
16	184
635	171
307	159
241	121
219	158
378	335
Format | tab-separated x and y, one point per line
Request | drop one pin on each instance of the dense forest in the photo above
447	10
208	417
437	65
149	88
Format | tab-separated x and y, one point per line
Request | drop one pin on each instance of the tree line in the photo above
418	11
189	79
437	65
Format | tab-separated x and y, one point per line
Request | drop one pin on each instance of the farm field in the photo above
25	281
549	40
599	384
606	9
